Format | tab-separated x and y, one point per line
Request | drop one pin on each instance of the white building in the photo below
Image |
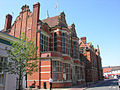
112	71
7	81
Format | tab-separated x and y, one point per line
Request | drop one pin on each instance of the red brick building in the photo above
91	57
58	47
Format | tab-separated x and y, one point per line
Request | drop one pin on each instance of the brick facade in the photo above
58	48
92	59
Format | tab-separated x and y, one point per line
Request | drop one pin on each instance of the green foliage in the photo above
23	57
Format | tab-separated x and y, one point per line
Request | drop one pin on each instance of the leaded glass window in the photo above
54	66
3	61
75	49
68	45
44	43
63	43
55	41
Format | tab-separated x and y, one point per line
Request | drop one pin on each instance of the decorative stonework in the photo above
25	8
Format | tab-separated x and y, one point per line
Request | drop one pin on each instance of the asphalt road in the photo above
111	84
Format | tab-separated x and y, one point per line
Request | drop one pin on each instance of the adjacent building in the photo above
59	49
91	57
7	81
111	71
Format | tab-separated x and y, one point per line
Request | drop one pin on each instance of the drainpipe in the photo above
51	75
51	66
40	56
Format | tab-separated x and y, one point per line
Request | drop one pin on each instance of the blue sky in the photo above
98	20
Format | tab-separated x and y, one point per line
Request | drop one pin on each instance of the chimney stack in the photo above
35	18
36	10
8	22
83	39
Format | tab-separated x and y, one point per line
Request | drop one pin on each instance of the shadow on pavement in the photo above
111	82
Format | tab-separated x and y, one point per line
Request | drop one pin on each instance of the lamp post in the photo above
40	55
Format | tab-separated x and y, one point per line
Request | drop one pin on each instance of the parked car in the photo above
106	77
118	80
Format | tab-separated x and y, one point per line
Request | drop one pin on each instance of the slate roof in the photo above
51	21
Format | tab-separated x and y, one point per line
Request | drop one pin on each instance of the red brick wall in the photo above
27	22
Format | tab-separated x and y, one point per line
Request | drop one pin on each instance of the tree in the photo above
23	58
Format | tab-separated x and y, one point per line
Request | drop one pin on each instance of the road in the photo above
111	84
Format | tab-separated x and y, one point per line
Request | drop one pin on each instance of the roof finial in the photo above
56	7
47	16
98	48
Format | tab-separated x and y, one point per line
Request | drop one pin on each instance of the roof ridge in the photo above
49	18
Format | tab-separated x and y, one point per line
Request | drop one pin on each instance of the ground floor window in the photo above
69	72
54	76
64	71
61	71
78	72
60	76
1	78
3	60
54	70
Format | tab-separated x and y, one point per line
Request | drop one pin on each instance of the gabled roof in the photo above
72	28
56	20
52	21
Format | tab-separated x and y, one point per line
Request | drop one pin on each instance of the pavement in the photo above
108	84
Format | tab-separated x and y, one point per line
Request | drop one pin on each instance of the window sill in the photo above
62	81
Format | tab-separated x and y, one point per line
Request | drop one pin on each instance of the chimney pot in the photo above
25	8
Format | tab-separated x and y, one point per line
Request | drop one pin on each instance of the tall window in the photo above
54	70
68	45
1	64
69	73
64	71
77	72
71	54
75	49
44	43
3	60
79	77
63	43
57	70
60	71
55	41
